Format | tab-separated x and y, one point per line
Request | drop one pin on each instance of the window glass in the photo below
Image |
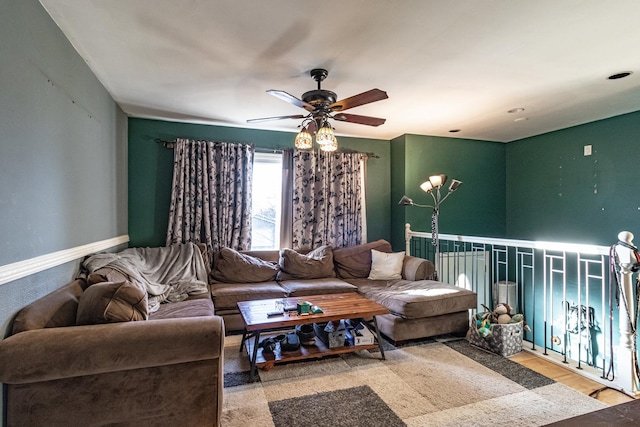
267	193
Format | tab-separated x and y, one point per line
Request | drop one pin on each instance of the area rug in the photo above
430	383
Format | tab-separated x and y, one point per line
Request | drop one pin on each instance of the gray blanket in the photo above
168	274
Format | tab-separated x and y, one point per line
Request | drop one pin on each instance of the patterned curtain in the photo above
327	196
211	194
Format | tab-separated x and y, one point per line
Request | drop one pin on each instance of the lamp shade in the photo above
325	135
426	186
330	146
438	180
304	140
454	185
405	201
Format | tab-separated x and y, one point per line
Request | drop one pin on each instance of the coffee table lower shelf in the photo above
266	361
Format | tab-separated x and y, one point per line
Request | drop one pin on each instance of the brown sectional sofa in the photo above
168	368
419	307
164	371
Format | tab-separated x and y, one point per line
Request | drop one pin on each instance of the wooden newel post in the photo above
626	356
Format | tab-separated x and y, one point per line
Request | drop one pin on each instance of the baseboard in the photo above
20	269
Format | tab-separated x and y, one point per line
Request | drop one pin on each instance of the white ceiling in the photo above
444	64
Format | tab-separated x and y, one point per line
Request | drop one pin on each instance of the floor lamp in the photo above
432	186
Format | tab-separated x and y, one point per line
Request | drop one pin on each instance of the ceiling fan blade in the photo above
312	127
291	99
362	120
268	119
367	97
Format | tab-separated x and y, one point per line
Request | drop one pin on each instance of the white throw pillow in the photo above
386	266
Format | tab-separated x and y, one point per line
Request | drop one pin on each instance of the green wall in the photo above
555	193
477	208
151	169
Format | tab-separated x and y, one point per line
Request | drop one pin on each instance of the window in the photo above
267	195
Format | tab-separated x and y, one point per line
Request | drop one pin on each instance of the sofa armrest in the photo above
414	268
73	351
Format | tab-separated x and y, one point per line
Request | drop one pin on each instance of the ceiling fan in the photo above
322	105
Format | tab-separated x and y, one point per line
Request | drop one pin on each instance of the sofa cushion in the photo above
110	302
424	298
316	264
226	296
386	266
317	287
366	285
231	266
192	307
355	261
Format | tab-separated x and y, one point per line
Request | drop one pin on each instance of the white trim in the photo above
20	269
549	246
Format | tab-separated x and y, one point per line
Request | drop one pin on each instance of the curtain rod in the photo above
171	145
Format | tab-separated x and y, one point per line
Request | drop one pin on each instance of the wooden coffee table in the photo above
334	306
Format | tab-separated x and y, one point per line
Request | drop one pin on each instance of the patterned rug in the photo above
429	383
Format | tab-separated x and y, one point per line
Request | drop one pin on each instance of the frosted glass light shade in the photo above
330	146
438	180
454	185
325	135
304	140
426	186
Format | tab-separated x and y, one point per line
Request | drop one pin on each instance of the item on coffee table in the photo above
332	334
268	345
359	335
306	334
275	313
290	342
304	307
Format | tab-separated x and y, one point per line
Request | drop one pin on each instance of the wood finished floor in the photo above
570	378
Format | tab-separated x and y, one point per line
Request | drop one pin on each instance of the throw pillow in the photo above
317	264
386	266
354	262
232	266
111	302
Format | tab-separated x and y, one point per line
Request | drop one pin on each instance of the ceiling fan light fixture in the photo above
304	140
325	136
320	104
330	146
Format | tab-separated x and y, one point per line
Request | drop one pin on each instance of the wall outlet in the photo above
587	150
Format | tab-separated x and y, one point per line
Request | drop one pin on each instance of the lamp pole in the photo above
432	186
435	229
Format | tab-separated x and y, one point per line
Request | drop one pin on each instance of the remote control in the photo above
274	313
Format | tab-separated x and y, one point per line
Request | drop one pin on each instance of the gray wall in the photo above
63	169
